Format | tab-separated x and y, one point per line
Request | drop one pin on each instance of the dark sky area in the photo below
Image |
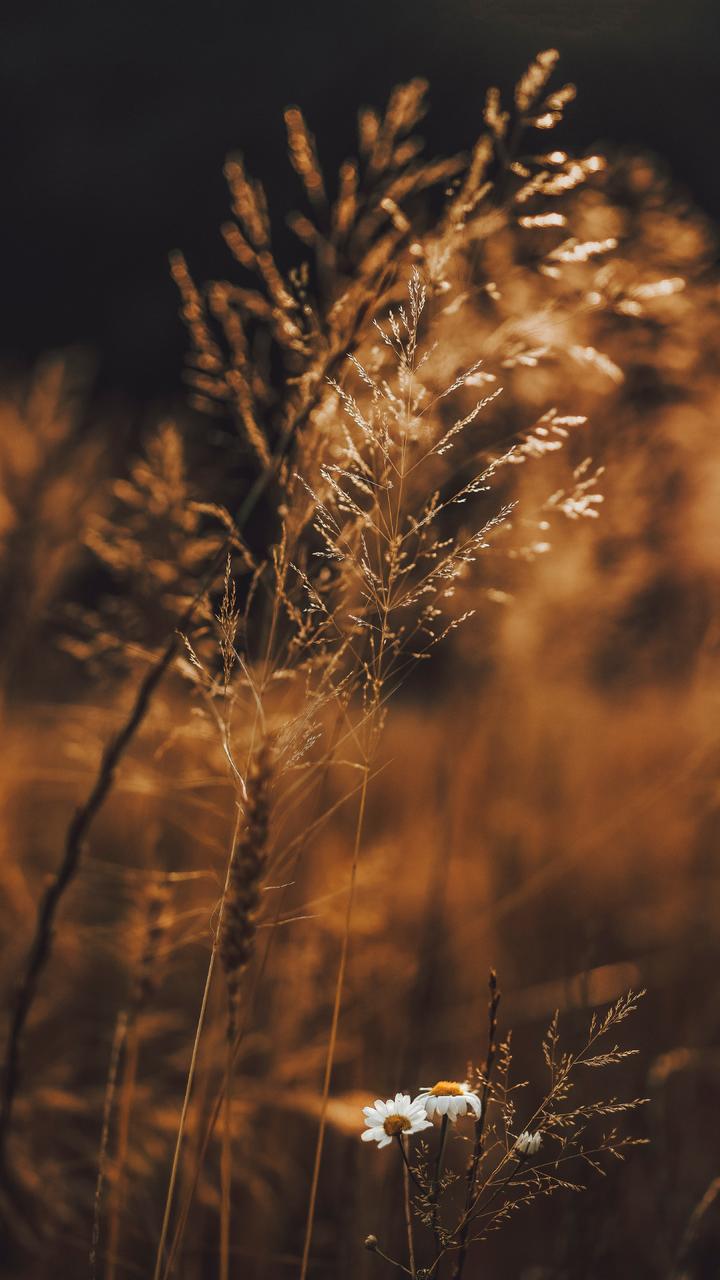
116	119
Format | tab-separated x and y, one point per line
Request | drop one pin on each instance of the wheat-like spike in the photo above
239	920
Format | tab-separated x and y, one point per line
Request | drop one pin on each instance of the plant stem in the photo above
193	1063
117	1195
406	1207
435	1190
472	1172
115	1053
183	1118
339	984
226	1166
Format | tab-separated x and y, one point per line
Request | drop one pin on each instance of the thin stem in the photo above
435	1190
117	1195
472	1172
117	1048
386	1257
226	1167
406	1206
476	1212
193	1065
409	1169
339	984
183	1118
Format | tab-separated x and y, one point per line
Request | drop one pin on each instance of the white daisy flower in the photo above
394	1118
528	1144
450	1098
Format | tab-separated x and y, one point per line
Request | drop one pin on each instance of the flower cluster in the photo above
449	1099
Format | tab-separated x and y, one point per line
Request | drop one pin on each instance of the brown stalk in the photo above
115	1054
236	944
470	1192
330	1059
145	984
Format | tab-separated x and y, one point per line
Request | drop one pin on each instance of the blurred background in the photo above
119	118
549	800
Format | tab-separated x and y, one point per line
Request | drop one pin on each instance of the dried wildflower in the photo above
528	1144
450	1098
397	1117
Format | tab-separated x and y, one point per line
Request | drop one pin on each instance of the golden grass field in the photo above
409	713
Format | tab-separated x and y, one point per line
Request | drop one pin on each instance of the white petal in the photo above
385	1142
442	1103
474	1102
431	1105
369	1135
379	1105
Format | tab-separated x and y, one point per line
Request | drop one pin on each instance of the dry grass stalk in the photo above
237	935
156	924
238	929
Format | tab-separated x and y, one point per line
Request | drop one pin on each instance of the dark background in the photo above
117	118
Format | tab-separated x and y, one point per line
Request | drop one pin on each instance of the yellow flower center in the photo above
395	1125
445	1088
